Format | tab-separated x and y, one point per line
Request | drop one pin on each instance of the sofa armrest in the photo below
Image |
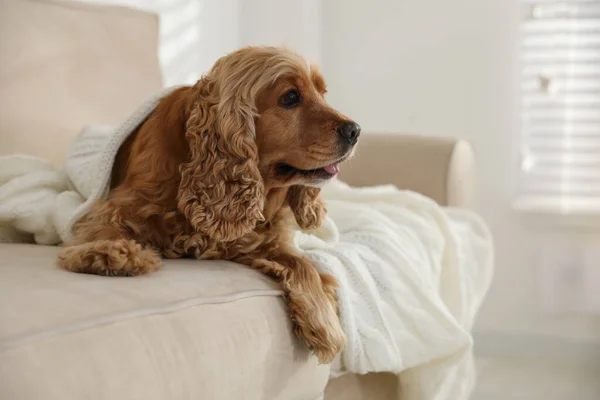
440	168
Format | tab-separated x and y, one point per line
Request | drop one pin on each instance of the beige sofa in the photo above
195	329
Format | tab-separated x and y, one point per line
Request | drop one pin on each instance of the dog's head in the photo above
260	122
300	138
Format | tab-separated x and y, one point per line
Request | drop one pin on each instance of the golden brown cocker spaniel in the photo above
214	172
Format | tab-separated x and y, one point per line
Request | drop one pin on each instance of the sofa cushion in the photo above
194	329
67	64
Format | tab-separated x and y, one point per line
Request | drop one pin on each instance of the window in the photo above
560	108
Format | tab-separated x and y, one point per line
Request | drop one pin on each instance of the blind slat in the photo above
557	56
566	114
584	100
567	188
565	86
545	144
559	70
573	129
582	175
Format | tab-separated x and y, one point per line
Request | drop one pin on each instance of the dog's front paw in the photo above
317	324
119	257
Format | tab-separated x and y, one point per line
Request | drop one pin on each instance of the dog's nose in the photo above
349	131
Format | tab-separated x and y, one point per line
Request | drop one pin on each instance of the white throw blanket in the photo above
412	274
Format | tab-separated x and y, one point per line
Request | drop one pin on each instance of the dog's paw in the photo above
109	257
317	324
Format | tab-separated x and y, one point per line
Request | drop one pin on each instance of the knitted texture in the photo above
28	190
412	276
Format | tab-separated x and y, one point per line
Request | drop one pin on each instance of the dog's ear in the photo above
307	206
221	191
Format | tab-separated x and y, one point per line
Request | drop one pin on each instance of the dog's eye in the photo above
290	99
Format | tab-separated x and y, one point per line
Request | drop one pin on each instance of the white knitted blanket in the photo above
412	274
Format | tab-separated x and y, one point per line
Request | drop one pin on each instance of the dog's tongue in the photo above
332	169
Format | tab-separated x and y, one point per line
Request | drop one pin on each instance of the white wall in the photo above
449	68
220	31
193	34
282	22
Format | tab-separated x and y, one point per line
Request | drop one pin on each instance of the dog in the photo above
216	171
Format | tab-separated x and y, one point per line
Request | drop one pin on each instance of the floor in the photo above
512	379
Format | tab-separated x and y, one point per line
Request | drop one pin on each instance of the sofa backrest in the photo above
64	65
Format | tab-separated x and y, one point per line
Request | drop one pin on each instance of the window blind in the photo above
560	106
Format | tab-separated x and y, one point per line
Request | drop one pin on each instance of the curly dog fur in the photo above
215	171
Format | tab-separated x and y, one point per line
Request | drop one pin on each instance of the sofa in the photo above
194	329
